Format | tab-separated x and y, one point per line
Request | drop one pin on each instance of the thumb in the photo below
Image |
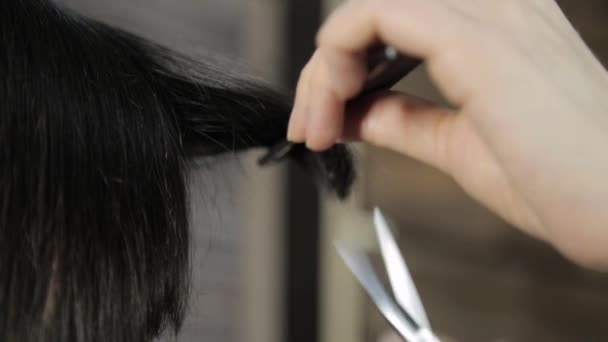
402	123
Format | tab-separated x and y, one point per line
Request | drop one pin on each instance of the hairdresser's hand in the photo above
529	138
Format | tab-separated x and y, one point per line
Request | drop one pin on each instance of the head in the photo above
97	128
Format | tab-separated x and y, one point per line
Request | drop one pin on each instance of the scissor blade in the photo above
398	272
362	269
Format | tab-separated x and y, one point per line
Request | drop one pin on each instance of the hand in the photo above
529	138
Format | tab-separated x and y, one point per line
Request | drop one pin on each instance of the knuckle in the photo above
370	5
512	12
305	72
317	78
374	6
377	9
442	132
510	7
445	63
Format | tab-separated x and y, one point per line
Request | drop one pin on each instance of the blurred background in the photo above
264	265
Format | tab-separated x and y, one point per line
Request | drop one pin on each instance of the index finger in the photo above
415	27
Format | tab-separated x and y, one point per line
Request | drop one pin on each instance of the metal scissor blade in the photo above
398	272
362	269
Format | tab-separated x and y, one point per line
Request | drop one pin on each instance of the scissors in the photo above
385	65
403	308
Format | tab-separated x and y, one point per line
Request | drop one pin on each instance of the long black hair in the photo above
96	130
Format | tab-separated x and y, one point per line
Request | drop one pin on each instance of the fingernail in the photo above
319	135
290	128
296	130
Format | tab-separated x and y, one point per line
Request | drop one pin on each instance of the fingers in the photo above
338	71
317	115
415	27
404	124
297	124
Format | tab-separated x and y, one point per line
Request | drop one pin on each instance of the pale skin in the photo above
529	135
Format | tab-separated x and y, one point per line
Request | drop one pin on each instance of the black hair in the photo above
97	127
